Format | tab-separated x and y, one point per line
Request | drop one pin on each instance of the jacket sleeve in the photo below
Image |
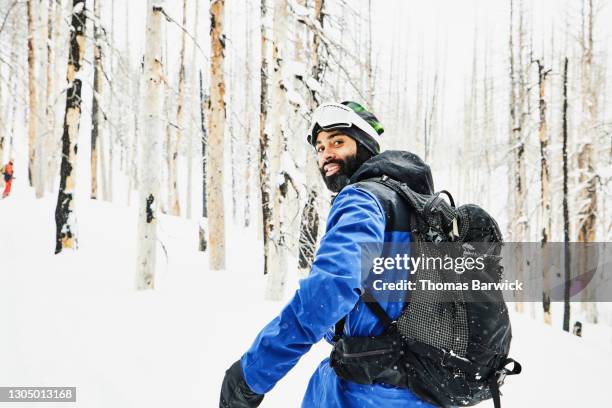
329	292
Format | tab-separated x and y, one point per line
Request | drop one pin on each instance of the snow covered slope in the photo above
74	319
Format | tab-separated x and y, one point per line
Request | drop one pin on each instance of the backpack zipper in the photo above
367	353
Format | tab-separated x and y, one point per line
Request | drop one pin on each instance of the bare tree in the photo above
97	124
420	98
470	126
216	126
203	225
60	37
174	148
8	108
309	224
41	78
265	181
33	97
112	109
513	115
13	85
150	147
247	112
566	220
587	196
134	130
489	119
65	217
49	139
545	196
278	254
100	132
232	135
133	161
168	112
3	126
316	64
520	132
518	114
369	68
192	103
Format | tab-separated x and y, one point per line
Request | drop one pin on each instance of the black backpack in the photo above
448	350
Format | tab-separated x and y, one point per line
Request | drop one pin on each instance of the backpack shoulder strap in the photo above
495	381
415	200
434	211
375	307
339	329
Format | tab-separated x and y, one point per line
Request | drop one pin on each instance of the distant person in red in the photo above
8	178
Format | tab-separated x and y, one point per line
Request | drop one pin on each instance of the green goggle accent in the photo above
367	116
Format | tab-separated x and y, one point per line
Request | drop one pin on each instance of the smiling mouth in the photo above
331	169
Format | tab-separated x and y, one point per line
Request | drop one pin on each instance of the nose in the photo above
328	154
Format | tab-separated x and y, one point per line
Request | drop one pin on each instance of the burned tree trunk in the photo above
65	217
566	220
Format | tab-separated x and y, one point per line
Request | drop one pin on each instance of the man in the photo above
8	178
346	139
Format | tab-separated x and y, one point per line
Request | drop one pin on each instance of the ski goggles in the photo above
330	116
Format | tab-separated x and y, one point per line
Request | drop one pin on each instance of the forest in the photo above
199	110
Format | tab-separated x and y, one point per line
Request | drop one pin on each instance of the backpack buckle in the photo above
444	359
455	230
501	376
392	327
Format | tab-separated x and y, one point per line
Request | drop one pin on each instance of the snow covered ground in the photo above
74	319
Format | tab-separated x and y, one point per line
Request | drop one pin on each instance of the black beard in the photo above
348	167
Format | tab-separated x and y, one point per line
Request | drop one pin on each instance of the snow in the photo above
295	68
313	84
294	97
74	319
78	8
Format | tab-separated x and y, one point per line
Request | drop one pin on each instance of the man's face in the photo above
337	158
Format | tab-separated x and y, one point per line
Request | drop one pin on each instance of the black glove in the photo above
235	393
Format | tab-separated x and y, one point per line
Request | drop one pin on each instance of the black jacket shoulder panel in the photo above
405	167
397	216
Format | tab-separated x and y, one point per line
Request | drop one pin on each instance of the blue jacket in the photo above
359	214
